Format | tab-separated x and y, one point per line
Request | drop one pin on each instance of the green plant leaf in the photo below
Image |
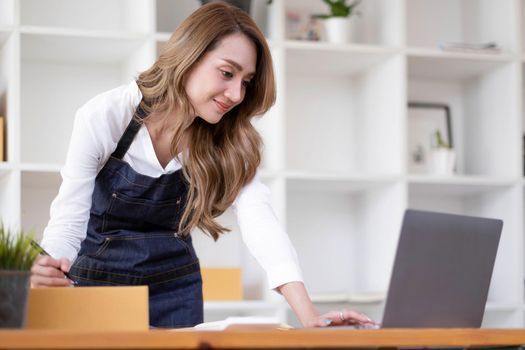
440	143
339	8
16	252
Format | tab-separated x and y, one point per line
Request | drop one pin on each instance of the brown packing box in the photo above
221	284
89	308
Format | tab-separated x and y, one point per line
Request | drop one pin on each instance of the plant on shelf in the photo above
339	8
439	142
442	156
16	258
337	23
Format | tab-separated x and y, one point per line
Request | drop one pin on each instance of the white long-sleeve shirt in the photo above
98	126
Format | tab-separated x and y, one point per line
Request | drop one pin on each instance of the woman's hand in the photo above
341	318
48	272
297	296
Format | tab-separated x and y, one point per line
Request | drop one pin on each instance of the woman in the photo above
151	161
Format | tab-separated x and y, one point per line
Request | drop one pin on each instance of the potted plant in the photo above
442	156
337	24
16	258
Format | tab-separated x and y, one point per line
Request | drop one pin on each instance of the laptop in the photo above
442	271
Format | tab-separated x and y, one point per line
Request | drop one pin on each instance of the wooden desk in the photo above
248	337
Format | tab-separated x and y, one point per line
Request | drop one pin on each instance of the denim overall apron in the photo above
132	239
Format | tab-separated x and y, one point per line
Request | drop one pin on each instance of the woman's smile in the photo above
222	106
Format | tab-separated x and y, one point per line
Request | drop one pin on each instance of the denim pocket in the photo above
149	250
129	258
143	215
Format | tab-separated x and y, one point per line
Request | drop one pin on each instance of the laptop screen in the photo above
442	271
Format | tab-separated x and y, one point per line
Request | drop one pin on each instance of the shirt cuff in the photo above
284	273
59	250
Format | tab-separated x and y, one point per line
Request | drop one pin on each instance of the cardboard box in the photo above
221	284
89	308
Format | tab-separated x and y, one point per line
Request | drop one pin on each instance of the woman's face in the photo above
218	82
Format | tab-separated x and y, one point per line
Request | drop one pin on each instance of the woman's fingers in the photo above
320	321
354	316
39	281
65	265
45	260
343	317
46	272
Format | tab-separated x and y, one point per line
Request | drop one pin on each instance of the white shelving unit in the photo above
335	143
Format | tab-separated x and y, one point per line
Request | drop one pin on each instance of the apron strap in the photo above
129	134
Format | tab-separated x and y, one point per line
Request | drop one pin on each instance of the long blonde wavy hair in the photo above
218	159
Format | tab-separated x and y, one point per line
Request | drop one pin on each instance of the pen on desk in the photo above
43	252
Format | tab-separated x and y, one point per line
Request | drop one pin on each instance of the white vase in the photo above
442	161
338	30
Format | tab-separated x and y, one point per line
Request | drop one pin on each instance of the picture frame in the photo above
424	118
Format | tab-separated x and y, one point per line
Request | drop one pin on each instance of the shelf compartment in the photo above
10	199
360	228
38	191
81	68
484	107
380	22
106	15
493	200
337	114
433	22
170	14
80	82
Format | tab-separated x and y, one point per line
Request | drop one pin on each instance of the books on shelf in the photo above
350	298
488	47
